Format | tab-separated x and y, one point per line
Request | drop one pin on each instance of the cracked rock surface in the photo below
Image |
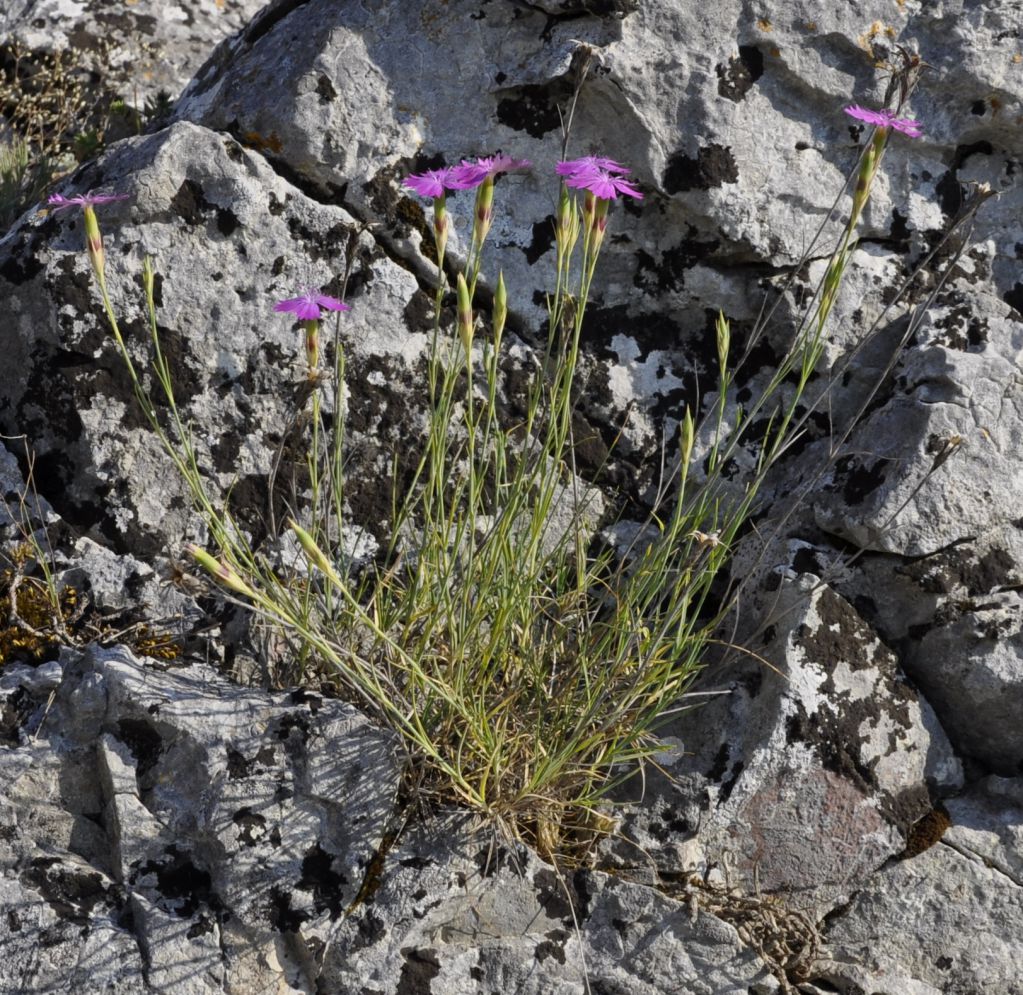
168	831
839	812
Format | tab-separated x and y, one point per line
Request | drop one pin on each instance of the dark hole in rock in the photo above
737	78
1014	297
948	188
856	480
420	968
180	883
713	166
303	697
145	743
283	918
17	708
237	765
551	893
720	763
325	89
490	860
534	109
201	927
326	884
552	947
371	930
293	722
189	203
251	824
227	222
542	240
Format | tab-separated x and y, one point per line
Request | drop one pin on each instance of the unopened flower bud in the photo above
312	346
440	225
723	337
464	314
313	554
225	574
868	170
500	308
484	211
598	224
94	242
589	206
687	436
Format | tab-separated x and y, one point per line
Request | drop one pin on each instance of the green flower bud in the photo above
464	314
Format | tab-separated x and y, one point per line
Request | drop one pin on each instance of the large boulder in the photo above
799	768
166	831
135	50
949	919
230	237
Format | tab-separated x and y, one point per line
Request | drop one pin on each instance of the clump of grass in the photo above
524	666
23	178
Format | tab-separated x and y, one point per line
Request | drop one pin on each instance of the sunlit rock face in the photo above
857	759
134	50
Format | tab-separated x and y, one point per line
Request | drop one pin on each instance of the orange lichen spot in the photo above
890	31
774	51
927	831
765	25
995	104
866	40
810	25
1017	58
262	143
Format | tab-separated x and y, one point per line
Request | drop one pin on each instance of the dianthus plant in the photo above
524	664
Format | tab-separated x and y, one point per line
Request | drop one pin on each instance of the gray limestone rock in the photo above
230	238
192	822
939	461
459	912
137	49
163	830
972	670
813	760
950	918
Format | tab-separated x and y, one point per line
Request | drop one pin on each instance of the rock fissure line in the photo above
970	854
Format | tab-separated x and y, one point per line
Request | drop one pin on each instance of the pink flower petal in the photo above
885	119
589	164
307	307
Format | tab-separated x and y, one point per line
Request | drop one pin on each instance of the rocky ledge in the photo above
842	813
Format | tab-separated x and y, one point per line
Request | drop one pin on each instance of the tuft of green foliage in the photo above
24	178
525	666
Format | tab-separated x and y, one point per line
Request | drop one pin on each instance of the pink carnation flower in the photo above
589	164
435	182
885	119
307	307
59	202
472	174
602	184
